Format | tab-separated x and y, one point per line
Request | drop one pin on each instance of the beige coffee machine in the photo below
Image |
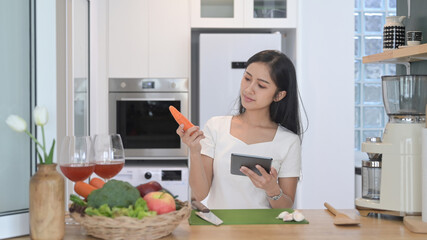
391	178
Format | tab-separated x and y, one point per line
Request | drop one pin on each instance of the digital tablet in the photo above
249	161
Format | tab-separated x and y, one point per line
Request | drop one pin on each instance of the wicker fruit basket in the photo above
133	228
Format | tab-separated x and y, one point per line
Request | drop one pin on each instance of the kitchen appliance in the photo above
371	179
171	175
139	112
222	64
371	173
405	98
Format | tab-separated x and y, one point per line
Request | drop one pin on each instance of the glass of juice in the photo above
75	162
74	159
108	154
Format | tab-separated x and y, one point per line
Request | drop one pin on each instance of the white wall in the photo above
325	69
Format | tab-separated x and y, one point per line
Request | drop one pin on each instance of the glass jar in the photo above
371	179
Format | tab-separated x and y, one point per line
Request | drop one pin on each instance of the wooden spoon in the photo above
341	218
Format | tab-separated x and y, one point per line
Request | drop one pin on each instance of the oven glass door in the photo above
145	124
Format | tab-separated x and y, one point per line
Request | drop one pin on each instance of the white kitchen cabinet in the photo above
128	38
244	13
148	38
217	13
169	38
271	13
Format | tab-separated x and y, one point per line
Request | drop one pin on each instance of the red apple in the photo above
161	202
145	188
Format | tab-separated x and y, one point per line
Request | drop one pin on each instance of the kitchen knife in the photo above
204	213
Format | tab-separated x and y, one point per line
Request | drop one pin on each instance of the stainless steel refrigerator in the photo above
222	59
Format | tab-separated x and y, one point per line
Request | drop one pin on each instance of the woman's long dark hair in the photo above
282	71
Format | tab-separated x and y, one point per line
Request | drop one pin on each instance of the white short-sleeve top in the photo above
238	192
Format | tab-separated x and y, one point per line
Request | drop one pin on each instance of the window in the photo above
370	116
16	97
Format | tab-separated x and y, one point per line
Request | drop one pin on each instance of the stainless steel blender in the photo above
394	186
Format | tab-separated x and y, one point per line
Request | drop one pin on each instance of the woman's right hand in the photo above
191	137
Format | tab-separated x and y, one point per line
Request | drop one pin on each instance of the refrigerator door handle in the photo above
238	65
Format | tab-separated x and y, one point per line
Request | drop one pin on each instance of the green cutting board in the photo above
244	216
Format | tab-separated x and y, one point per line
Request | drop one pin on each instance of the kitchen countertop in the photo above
320	227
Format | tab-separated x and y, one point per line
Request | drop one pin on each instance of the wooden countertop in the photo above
320	227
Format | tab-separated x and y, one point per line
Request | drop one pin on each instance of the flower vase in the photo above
47	205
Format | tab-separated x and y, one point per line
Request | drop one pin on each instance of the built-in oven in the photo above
139	112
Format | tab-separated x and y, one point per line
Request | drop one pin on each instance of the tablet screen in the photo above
249	161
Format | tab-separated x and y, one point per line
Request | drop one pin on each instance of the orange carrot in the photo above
180	119
97	182
83	189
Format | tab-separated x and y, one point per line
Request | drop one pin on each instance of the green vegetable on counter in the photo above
77	200
114	193
139	210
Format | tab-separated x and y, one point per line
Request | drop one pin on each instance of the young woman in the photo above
268	124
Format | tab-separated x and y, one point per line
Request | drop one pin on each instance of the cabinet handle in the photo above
147	99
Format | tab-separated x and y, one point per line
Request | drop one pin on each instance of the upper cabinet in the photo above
270	13
128	38
244	13
169	38
149	38
217	13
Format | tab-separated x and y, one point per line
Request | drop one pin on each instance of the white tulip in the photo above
16	123
40	115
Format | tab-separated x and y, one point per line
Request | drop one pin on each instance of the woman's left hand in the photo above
267	181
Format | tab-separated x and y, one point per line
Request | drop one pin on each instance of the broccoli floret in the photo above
114	193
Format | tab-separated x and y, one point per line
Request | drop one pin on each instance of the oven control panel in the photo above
148	85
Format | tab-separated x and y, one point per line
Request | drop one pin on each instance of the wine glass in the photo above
74	158
108	154
75	162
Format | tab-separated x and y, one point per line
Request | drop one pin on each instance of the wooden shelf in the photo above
402	55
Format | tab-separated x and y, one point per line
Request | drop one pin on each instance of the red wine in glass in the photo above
77	172
108	154
108	170
75	162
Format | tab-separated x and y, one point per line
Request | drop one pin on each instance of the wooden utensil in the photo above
341	218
